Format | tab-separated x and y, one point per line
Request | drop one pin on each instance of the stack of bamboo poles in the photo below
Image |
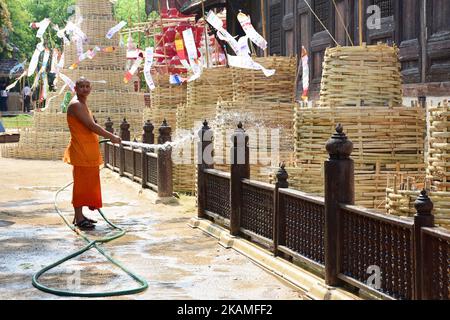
253	86
164	101
386	141
270	129
108	100
400	198
361	76
201	103
203	94
439	147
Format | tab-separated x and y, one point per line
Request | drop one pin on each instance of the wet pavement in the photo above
177	261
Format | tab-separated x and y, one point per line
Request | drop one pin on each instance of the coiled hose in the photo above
143	285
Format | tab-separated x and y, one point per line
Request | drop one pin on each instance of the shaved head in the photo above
82	80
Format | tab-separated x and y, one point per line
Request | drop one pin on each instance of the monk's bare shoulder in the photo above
75	106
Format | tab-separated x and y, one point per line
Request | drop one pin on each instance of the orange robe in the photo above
83	153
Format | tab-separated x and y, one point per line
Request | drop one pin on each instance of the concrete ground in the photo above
177	261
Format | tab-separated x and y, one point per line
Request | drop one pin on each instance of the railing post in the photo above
109	128
279	221
339	188
422	219
148	137
165	188
125	136
204	161
240	169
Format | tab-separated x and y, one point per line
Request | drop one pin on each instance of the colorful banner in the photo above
148	67
250	31
115	29
179	45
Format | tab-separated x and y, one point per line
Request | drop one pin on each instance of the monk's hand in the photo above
116	140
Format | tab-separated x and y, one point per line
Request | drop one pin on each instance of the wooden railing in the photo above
151	168
390	257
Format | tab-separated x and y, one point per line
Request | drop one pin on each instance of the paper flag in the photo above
250	31
115	29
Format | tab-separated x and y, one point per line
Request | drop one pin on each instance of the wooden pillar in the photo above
147	137
205	134
339	188
165	186
423	219
279	220
125	136
240	169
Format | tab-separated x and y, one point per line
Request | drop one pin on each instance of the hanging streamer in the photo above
191	49
246	62
223	34
54	64
35	59
44	87
250	31
115	29
148	67
305	77
129	74
67	81
43	25
179	45
61	33
12	85
45	61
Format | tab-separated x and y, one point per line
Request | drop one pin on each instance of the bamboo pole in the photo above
206	34
163	36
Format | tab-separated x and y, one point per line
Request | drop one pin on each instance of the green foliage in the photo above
22	38
132	11
5	29
24	12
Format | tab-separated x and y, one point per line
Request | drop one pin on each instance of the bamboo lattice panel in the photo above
386	141
439	146
252	85
361	75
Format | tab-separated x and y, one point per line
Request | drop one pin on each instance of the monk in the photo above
83	153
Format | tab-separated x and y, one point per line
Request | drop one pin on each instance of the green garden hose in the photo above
143	285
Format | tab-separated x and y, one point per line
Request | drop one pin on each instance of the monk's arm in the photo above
81	112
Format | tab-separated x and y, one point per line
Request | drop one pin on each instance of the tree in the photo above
5	29
131	11
22	38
